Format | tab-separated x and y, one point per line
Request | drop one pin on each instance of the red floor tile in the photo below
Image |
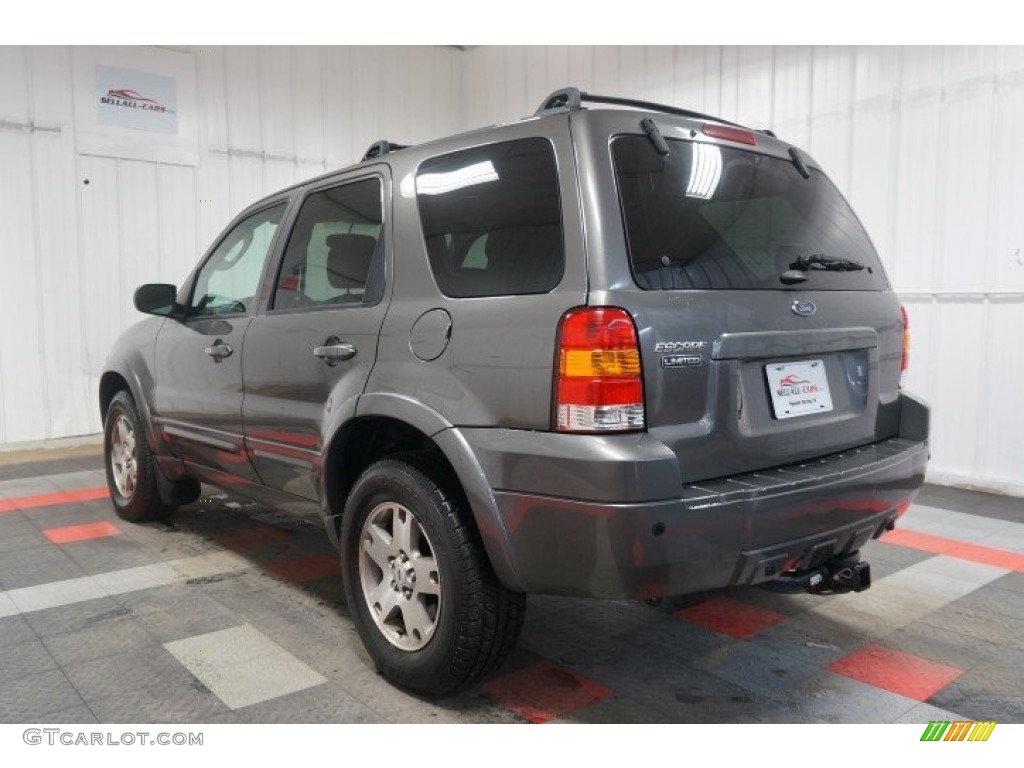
895	671
544	691
303	569
731	617
70	533
976	553
251	537
52	499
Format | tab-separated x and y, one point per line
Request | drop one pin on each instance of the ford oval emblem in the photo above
803	308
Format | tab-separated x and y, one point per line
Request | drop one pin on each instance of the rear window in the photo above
492	219
711	217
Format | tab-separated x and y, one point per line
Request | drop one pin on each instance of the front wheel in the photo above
423	596
131	469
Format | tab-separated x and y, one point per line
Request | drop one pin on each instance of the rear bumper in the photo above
744	529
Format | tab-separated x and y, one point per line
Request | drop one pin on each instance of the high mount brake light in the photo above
729	133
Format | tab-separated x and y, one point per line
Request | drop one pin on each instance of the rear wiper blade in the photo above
821	261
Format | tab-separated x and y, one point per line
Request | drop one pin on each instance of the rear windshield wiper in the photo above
821	261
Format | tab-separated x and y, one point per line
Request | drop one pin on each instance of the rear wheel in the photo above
426	603
131	469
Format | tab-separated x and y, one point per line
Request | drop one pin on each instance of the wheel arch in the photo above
394	424
116	380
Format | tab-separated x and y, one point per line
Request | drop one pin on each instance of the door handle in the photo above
219	350
334	353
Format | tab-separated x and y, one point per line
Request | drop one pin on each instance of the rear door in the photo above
307	357
745	367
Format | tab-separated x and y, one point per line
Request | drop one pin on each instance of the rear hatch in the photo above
768	332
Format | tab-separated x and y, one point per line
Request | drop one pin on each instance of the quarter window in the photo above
492	220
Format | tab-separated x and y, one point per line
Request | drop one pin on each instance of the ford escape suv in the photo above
629	351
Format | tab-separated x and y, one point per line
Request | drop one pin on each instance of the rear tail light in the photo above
905	322
599	387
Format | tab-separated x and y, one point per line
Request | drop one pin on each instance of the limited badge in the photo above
679	361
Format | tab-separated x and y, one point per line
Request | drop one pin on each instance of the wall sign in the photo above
136	103
131	98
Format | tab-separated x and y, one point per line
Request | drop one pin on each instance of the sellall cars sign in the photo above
129	98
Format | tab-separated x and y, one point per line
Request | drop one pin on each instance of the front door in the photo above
198	391
307	358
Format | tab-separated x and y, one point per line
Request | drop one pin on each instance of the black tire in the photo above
478	621
142	504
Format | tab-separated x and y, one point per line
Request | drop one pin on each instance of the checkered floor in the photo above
234	613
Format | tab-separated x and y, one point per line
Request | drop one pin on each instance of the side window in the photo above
492	219
332	248
229	281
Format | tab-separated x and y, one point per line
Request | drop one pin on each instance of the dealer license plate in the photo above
798	389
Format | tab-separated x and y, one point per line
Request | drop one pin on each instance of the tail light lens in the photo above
599	386
905	359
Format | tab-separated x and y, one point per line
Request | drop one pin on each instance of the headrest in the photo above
348	259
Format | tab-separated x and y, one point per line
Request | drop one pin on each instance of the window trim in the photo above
189	316
561	215
364	175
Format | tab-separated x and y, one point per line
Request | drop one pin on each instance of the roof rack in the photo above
571	99
381	148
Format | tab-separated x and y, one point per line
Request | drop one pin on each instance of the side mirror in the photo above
156	299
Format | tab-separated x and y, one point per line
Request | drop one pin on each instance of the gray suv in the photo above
624	352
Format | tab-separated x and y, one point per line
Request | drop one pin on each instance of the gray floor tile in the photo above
941	643
922	714
98	562
323	704
1012	582
613	710
887	559
27	699
67	619
122	673
79	478
14	524
985	692
61	515
15	543
834	698
106	639
392	704
13	630
765	672
193	704
26	486
40	565
77	714
811	639
23	659
167	626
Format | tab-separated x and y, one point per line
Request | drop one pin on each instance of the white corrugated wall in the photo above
924	141
72	253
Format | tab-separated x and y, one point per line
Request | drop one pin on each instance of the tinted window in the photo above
492	220
229	281
333	249
706	216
